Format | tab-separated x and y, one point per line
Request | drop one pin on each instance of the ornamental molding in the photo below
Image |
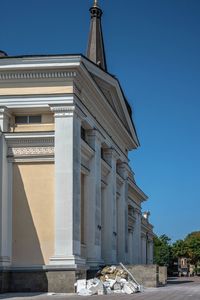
36	75
69	110
30	142
30	151
63	111
29	146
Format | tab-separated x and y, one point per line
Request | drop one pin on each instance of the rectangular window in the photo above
28	119
34	119
21	120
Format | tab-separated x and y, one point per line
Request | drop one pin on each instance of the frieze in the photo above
30	151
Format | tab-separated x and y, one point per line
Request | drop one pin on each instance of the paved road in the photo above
177	289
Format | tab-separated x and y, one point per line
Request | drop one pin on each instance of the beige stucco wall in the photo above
36	88
33	213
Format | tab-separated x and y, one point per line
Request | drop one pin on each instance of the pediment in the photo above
111	96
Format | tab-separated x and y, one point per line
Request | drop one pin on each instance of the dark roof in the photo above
3	53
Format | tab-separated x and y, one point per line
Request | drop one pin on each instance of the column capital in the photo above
143	235
67	110
4	118
137	211
95	134
123	169
111	152
4	111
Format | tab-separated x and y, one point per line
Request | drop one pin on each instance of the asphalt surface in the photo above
177	289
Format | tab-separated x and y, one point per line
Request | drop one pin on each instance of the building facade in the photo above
68	197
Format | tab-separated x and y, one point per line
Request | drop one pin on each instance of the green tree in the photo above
162	250
193	245
180	249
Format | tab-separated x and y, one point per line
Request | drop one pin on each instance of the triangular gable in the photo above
112	98
112	92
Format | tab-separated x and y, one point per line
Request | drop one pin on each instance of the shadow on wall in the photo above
26	244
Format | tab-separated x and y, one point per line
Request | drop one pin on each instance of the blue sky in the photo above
153	47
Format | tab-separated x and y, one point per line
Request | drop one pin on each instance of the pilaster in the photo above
130	246
143	249
150	252
93	201
5	194
137	236
122	217
67	186
4	118
110	236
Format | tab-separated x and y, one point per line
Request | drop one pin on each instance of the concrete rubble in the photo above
109	280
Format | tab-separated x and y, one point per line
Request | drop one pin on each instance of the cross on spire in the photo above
95	3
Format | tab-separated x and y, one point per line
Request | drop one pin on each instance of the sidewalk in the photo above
177	288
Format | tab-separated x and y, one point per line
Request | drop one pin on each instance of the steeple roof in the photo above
95	50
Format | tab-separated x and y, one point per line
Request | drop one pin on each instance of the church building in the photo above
69	201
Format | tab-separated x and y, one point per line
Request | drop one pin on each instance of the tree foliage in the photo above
179	249
165	253
193	247
162	250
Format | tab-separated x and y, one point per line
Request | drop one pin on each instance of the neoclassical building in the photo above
68	198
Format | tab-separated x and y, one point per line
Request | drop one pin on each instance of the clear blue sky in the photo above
154	49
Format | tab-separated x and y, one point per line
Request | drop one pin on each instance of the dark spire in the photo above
95	50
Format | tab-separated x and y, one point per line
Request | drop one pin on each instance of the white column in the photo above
150	252
122	217
67	186
93	201
110	253
143	249
137	237
130	246
104	231
4	118
5	194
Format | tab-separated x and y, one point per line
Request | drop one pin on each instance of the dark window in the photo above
102	153
34	119
21	120
83	134
28	119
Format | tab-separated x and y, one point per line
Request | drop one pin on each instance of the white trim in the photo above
41	62
39	101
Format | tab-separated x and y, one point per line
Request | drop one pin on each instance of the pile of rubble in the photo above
113	279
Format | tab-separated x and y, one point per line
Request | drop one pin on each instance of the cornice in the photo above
36	75
137	191
40	62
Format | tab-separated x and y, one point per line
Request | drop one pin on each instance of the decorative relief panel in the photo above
30	151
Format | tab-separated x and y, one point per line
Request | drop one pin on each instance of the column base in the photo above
71	261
